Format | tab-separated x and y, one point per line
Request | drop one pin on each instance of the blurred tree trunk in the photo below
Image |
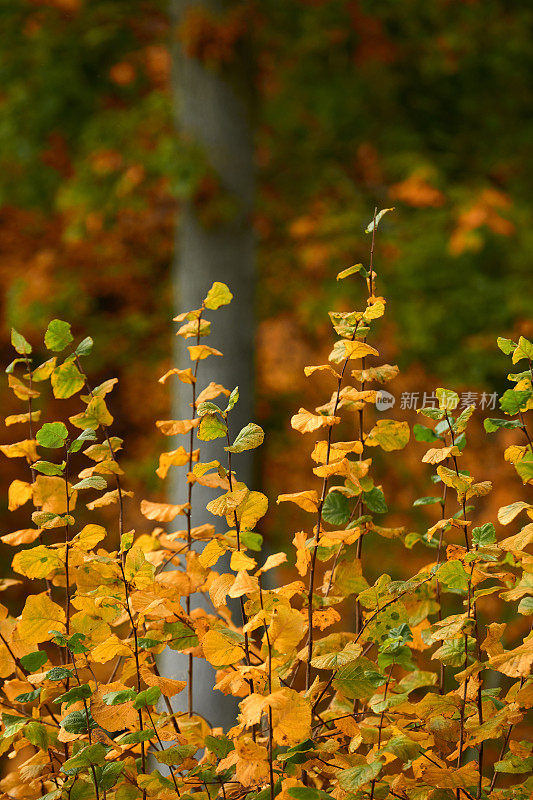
213	109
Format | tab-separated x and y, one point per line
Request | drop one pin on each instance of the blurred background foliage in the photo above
357	104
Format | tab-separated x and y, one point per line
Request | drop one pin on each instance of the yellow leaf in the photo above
110	648
108	499
251	509
226	503
174	458
13	419
38	562
19	493
291	716
520	540
221	650
286	629
303	554
305	422
89	536
26	449
324	617
345	349
25	536
437	454
241	561
168	686
211	553
321	368
337	451
198	352
307	500
113	718
273	561
94	415
162	512
219	588
138	569
184	375
506	514
172	427
211	391
345	273
39	616
375	310
49	494
218	295
243	584
389	435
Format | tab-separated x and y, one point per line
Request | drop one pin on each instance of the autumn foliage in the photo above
348	688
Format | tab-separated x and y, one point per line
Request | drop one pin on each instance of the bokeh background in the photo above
350	104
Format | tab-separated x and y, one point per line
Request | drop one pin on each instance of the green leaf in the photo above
52	435
351	681
28	697
506	345
91	756
308	793
514	400
524	607
207	407
59	674
218	295
94	482
138	736
19	343
252	540
182	636
233	399
219	745
523	350
34	661
492	425
248	438
514	765
423	433
432	413
336	509
211	427
109	776
73	695
148	697
48	468
66	380
426	501
58	335
11	367
35	732
375	221
76	722
175	755
84	347
117	698
375	501
87	435
356	777
484	535
453	576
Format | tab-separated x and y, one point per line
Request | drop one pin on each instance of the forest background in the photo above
353	105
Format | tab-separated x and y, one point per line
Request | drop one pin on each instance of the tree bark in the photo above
214	111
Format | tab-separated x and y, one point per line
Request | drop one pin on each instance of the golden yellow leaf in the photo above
251	509
113	718
172	427
305	422
514	663
89	536
110	648
39	616
162	512
197	352
273	561
307	500
520	540
324	617
107	499
14	419
26	449
211	391
286	629
241	561
345	349
174	458
211	553
337	451
19	492
25	536
447	778
220	649
138	569
291	716
49	494
169	687
184	375
321	368
219	588
303	554
226	503
493	640
243	584
437	454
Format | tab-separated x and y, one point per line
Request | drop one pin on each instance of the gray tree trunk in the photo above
215	113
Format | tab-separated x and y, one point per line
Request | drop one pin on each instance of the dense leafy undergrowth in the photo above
406	689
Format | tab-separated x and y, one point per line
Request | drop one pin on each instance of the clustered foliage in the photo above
336	700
